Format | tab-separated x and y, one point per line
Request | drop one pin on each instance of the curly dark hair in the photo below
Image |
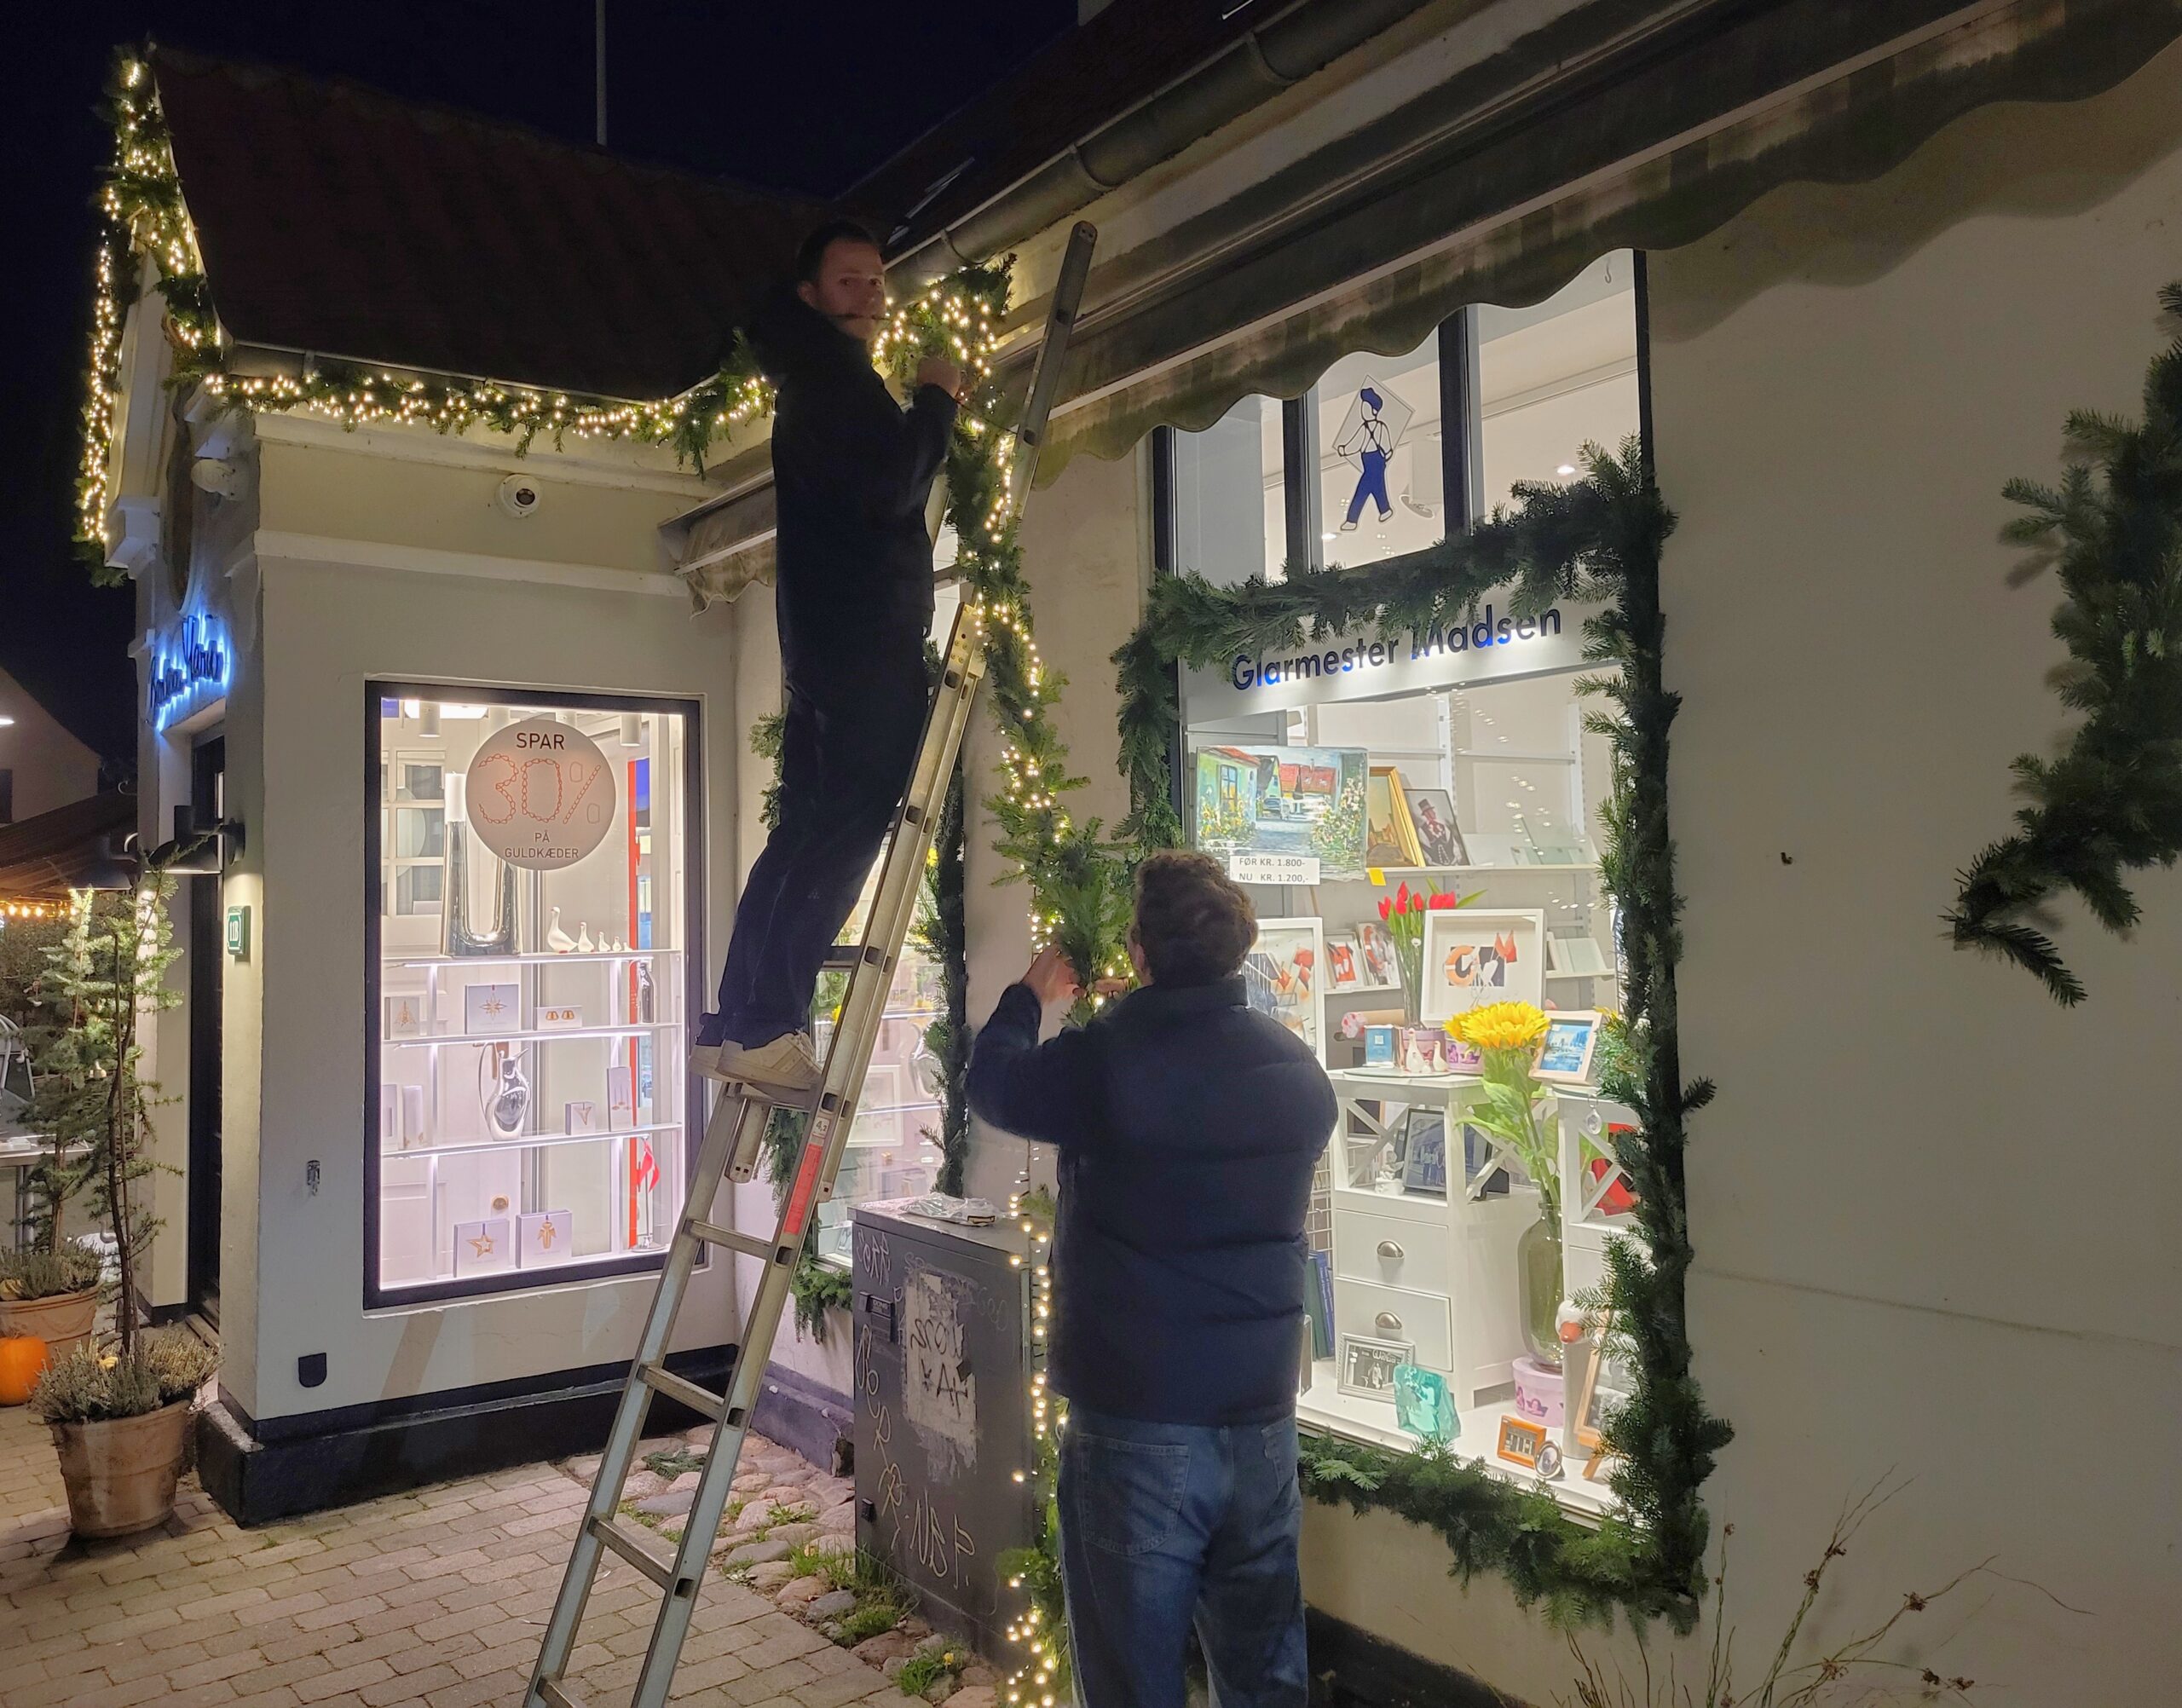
1193	922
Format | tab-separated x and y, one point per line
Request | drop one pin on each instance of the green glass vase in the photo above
1538	1273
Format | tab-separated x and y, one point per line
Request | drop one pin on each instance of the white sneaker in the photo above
786	1063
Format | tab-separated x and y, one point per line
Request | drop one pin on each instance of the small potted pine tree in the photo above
119	1411
49	1287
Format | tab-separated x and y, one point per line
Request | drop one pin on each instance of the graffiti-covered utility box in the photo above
943	1411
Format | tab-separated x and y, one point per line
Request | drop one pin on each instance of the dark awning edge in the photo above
1645	190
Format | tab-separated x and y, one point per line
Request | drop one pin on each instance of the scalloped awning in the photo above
1501	184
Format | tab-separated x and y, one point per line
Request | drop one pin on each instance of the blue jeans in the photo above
1167	1524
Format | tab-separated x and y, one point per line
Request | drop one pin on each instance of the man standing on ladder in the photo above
851	472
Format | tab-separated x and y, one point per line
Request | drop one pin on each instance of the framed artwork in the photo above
1565	1053
1422	1406
1376	943
1344	962
1439	836
1594	1398
1389	837
492	1010
1366	1366
1284	974
1519	1441
1424	1151
582	1116
1476	955
1305	802
563	1018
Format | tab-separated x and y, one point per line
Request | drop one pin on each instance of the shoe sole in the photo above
705	1061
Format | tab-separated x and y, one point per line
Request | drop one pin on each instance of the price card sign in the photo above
539	794
1273	868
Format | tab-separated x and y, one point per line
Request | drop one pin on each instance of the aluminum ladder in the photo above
734	1136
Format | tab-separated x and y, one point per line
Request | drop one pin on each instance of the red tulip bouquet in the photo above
1404	912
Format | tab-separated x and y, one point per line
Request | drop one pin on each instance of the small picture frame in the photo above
1376	943
583	1114
1565	1053
1379	1046
1344	962
1594	1397
1548	1461
405	1017
1519	1441
560	1018
1424	1152
492	1010
1366	1367
1422	1406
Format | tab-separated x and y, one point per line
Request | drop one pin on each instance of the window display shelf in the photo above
1372	1423
544	1037
528	1141
1570	978
545	959
1459	871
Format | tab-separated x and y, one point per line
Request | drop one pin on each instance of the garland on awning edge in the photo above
2114	799
1598	539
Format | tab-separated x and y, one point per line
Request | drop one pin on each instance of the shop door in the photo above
207	954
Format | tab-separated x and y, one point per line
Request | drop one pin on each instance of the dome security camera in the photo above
519	496
219	477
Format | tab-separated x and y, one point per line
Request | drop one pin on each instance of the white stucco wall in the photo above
1929	1239
331	620
51	767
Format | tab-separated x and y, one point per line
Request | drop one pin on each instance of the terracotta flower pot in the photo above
121	1472
60	1321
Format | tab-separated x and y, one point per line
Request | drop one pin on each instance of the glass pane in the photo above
419	833
532	1021
1230	513
1556	376
1380	473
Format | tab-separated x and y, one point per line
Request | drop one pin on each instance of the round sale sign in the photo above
539	794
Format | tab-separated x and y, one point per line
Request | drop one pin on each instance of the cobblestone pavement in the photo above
437	1597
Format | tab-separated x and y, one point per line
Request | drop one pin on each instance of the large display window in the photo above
1419	820
533	956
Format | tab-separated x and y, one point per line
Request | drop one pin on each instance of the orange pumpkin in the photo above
22	1361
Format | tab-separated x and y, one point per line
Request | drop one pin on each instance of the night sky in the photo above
793	96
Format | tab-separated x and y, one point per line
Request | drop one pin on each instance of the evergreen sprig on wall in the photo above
1596	540
2112	802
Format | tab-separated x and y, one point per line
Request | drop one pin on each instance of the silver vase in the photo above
507	1102
499	939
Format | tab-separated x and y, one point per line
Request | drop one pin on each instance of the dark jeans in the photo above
846	753
1167	1524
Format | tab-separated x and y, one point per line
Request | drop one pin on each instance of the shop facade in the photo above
1834	351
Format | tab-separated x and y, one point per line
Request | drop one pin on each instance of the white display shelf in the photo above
1372	1423
549	959
1456	872
540	1037
528	1141
1608	973
1361	990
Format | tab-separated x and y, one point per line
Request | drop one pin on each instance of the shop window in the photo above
1229	505
1381	486
533	1111
1454	766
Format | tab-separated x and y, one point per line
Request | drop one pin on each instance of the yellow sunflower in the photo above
1499	1026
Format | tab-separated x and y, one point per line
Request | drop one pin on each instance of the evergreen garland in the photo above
2113	801
1596	540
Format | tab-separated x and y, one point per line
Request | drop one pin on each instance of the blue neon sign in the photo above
189	666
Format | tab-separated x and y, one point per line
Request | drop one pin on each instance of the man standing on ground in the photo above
1187	1127
851	471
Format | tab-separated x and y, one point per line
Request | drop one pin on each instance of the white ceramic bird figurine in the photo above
584	944
557	939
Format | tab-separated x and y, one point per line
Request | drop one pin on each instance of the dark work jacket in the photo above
1188	1127
852	470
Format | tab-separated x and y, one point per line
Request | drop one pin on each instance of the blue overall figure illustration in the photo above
1370	442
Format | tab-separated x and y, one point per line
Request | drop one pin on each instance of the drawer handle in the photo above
1390	1251
1388	1323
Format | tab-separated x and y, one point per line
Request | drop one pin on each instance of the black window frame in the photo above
377	690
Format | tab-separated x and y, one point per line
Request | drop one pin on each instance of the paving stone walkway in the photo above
437	1597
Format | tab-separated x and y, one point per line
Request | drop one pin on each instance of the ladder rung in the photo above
557	1695
748	1245
698	1400
633	1551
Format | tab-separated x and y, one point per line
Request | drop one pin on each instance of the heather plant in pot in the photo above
119	1408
